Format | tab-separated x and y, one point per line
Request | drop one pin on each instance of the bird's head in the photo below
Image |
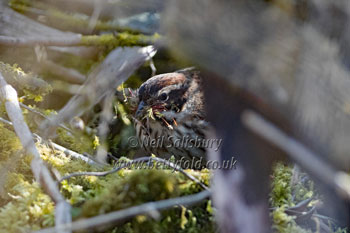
166	92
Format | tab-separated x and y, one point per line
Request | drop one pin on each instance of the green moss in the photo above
9	143
30	208
120	39
283	196
138	187
141	186
80	144
281	193
284	223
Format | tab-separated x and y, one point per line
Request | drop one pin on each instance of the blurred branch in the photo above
299	153
67	74
115	69
82	51
147	208
121	39
110	9
65	87
137	161
65	21
103	127
19	30
17	41
42	175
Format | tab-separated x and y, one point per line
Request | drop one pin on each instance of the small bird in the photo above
170	118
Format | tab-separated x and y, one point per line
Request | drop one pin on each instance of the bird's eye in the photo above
163	97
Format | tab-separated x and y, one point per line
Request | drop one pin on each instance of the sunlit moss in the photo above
281	193
284	223
281	198
29	209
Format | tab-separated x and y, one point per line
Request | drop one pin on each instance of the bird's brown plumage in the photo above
171	111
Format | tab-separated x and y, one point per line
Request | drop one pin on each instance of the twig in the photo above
135	161
124	214
299	153
42	175
6	121
153	67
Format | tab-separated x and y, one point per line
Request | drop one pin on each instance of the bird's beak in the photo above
139	111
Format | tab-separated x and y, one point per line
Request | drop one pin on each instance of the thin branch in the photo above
42	175
15	41
147	208
135	161
153	67
298	152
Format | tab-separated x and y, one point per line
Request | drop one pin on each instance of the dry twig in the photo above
136	161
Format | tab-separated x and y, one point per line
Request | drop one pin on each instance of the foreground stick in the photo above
292	68
299	153
42	175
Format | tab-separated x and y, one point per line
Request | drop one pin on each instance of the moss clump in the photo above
281	193
138	187
141	186
80	144
284	223
30	209
283	196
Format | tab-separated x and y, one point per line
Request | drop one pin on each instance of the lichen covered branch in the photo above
42	175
